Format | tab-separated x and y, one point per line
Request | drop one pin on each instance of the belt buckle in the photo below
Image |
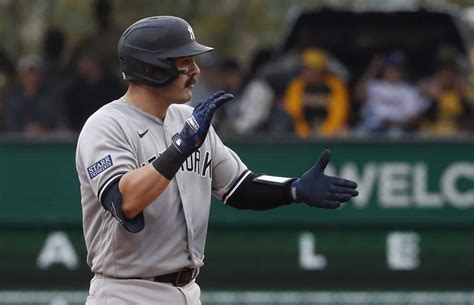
184	276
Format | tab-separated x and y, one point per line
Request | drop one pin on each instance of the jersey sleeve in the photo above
105	153
228	170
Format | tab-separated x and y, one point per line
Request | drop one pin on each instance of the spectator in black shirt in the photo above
30	106
93	86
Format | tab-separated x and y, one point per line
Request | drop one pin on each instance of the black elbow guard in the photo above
259	192
111	200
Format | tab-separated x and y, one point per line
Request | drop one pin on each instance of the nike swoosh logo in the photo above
141	135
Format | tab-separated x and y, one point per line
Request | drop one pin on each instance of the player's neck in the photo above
146	100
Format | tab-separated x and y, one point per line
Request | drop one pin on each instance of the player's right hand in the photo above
195	129
318	190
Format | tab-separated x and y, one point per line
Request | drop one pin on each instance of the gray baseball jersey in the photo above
119	138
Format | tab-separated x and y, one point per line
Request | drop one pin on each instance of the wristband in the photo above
169	162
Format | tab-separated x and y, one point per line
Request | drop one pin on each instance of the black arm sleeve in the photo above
251	193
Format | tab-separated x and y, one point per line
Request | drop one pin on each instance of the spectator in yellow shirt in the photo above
449	112
317	100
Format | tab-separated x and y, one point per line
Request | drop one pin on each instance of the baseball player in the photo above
148	166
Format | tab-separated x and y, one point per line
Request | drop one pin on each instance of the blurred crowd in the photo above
53	92
312	94
305	94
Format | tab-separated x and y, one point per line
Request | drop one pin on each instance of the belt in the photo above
179	279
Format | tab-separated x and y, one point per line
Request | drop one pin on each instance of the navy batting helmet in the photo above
147	45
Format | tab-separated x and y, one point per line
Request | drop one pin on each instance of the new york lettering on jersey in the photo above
194	163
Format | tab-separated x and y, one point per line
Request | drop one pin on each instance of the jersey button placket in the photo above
182	193
187	216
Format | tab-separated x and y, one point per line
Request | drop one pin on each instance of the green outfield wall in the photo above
401	183
253	258
411	228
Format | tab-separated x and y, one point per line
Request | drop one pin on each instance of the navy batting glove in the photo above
318	190
195	129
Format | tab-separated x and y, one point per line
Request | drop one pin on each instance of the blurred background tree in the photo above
235	28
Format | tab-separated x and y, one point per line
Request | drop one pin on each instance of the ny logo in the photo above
191	33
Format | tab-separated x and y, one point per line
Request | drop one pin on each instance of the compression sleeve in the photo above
259	192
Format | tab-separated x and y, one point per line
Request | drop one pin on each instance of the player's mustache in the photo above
191	81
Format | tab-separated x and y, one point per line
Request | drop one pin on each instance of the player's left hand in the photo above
196	127
318	190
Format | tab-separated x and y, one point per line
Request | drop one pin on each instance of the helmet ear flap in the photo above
169	70
160	75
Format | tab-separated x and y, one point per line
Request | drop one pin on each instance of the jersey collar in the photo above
144	113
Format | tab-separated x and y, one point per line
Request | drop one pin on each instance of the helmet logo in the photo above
191	33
